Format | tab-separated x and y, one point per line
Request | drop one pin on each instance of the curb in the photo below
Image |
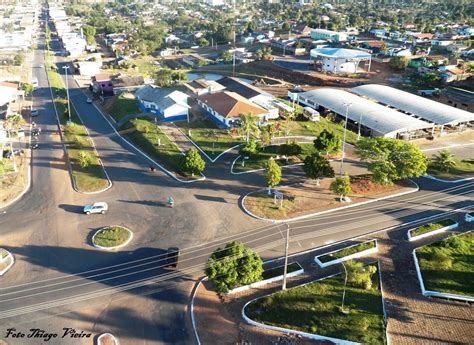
191	309
204	153
242	203
431	233
112	248
9	255
166	171
431	177
357	255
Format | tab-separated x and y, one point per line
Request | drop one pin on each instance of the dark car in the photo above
172	257
8	154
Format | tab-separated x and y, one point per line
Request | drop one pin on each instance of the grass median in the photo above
90	177
315	308
112	236
347	251
448	265
463	168
423	229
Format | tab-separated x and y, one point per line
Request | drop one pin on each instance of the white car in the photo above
89	100
469	217
98	207
34	112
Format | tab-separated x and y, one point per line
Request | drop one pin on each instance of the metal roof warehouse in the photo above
376	119
426	109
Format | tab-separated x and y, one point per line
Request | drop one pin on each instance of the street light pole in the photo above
344	290
285	269
66	68
358	131
347	105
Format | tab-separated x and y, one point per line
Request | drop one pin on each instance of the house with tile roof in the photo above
168	104
224	108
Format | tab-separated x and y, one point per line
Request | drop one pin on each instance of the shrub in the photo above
249	148
441	260
85	159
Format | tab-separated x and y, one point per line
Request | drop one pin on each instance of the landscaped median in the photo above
461	169
87	171
314	310
431	229
305	199
348	253
112	237
6	261
212	140
272	275
445	268
148	137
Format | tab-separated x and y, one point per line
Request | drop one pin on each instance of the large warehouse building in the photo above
444	117
375	119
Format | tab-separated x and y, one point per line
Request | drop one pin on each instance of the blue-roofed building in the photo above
339	60
168	104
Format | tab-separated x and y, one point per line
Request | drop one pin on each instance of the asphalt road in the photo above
59	280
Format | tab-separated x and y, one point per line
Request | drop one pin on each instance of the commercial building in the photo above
167	104
339	60
322	34
442	116
373	119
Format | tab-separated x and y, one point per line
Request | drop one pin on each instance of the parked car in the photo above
8	154
36	132
469	217
172	257
89	100
98	207
34	145
34	112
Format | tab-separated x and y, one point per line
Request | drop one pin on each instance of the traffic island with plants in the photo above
390	161
319	310
112	237
88	173
445	268
348	253
432	228
147	135
6	261
443	165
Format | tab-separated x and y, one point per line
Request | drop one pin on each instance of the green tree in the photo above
251	26
192	163
203	42
163	77
328	142
249	125
226	56
89	32
391	159
85	159
249	148
444	160
341	186
214	136
27	87
272	174
360	275
233	266
316	167
290	148
265	137
18	59
398	63
14	122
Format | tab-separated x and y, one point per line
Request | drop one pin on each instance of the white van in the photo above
34	82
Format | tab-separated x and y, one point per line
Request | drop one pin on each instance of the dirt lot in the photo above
306	198
12	184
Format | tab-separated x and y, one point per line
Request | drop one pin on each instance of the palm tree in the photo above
214	136
444	160
249	125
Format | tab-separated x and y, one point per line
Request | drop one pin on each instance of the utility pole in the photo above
285	269
358	131
347	105
66	68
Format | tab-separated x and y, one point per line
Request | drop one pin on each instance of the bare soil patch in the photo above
12	184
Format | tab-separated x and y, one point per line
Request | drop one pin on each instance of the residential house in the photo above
453	73
252	94
288	47
420	37
168	104
303	30
374	46
201	87
8	94
102	85
224	108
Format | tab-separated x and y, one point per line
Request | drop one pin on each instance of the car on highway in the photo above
98	207
36	132
172	257
34	112
89	100
34	145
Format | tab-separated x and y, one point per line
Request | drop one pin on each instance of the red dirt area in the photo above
365	186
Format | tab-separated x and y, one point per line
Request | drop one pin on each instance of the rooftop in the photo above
230	104
340	53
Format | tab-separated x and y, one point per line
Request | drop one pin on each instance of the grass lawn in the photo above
431	227
463	167
112	236
258	160
314	308
347	251
202	133
448	265
91	178
124	104
145	134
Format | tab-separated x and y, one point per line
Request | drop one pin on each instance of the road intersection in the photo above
59	280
